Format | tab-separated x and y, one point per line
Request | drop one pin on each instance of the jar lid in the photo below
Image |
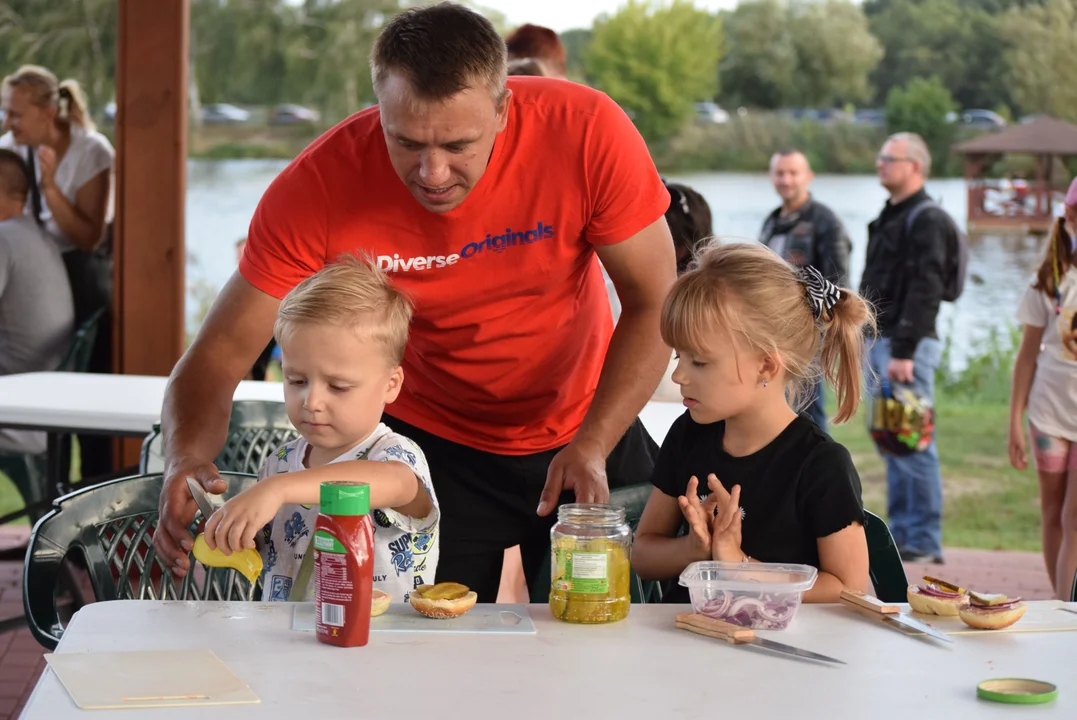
344	498
1017	691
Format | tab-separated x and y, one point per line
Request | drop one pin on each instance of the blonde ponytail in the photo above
842	352
72	105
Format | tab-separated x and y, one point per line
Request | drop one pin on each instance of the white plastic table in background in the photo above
641	667
66	403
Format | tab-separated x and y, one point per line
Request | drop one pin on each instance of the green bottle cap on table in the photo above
345	498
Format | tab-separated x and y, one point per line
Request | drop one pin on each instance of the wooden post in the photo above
151	150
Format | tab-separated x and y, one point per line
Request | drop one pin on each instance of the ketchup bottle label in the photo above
334	586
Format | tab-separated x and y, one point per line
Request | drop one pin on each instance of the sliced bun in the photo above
443	608
992	618
933	604
379	603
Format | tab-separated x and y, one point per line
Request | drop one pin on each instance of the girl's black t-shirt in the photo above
800	487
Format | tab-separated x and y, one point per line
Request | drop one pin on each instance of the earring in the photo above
764	383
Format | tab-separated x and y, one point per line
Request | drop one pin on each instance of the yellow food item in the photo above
583	601
442	591
379	603
248	562
443	601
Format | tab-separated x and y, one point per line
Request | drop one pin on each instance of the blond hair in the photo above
351	292
746	290
46	91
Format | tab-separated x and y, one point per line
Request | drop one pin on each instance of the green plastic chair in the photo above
256	428
633	498
884	561
1073	591
27	470
108	529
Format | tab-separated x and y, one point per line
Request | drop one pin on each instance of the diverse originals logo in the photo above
492	243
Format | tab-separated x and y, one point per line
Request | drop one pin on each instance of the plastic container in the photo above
764	596
591	546
343	547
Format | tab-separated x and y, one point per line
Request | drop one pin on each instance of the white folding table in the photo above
62	403
642	667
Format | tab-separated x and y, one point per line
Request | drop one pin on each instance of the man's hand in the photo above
580	467
176	509
700	516
900	371
234	526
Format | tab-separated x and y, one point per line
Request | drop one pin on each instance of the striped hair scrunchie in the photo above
822	294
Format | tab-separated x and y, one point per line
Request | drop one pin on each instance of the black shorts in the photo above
488	502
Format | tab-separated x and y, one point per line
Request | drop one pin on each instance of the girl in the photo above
776	488
1045	383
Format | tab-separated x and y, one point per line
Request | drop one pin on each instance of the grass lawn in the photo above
987	504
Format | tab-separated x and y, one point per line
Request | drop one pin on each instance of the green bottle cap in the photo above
345	498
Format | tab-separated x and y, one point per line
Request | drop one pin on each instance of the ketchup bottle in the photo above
343	564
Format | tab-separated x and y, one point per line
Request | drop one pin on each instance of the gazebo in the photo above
1016	205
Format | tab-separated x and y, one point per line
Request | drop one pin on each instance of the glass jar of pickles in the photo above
589	568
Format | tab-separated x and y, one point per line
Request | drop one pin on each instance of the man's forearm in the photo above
635	361
194	418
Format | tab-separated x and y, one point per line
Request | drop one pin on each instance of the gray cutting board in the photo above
501	619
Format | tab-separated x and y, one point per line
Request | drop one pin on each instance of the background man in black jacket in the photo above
805	232
905	276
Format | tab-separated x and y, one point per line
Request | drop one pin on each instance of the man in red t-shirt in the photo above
489	202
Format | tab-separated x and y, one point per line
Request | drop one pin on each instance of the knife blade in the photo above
737	635
204	505
889	613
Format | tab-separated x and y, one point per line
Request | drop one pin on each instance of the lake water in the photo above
222	196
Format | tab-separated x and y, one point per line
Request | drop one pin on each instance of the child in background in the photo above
1045	384
746	326
342	334
690	224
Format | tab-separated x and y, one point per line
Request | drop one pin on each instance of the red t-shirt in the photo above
511	318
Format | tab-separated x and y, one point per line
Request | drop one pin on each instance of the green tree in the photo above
576	43
656	61
783	53
960	41
1042	57
922	106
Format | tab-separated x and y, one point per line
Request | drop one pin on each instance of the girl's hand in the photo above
234	526
725	529
1018	447
700	516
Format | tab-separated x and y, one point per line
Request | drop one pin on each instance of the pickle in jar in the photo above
590	580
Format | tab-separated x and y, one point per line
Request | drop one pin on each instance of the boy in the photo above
342	334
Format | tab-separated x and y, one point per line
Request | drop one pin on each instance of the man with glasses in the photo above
905	275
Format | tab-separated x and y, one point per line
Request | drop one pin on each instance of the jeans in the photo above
914	482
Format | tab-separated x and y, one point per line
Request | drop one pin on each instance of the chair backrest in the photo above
633	498
110	528
256	428
1073	590
884	561
78	354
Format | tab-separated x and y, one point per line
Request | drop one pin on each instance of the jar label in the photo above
582	572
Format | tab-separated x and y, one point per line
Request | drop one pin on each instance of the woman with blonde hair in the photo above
48	124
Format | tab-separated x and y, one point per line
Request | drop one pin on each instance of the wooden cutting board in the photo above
500	619
148	679
1039	617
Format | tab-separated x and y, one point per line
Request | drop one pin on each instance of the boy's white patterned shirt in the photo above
405	548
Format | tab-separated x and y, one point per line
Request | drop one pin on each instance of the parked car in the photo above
873	117
709	113
224	114
978	119
289	114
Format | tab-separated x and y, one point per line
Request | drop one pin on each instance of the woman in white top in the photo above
48	125
1045	384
